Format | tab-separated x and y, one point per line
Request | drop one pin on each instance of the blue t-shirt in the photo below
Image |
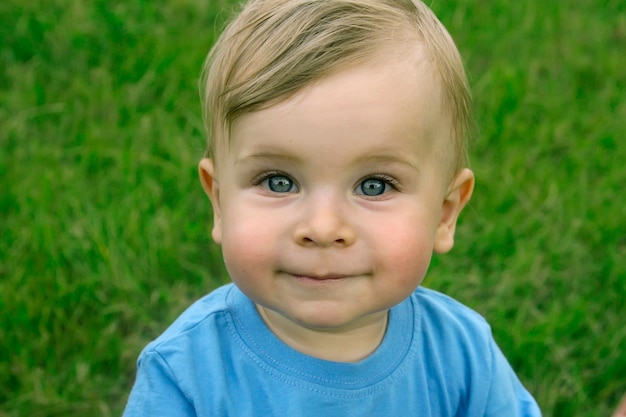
438	358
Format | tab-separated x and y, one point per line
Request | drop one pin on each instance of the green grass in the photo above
104	229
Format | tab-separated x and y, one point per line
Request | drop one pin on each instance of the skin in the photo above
330	204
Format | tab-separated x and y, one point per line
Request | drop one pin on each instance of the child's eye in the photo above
278	183
375	186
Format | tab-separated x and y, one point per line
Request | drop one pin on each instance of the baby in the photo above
336	166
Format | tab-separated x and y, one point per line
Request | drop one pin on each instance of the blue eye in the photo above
376	185
280	184
373	187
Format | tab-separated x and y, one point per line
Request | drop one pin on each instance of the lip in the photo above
325	277
320	276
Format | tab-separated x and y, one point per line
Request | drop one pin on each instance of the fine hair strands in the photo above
275	48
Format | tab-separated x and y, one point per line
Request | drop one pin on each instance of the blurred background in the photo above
104	228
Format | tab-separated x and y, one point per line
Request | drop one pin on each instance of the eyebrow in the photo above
378	159
385	159
265	157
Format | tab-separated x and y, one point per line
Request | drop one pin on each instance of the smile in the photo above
320	278
329	277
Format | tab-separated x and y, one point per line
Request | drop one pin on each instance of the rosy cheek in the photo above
408	237
247	241
408	251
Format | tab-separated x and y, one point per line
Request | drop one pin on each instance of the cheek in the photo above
406	248
248	242
410	251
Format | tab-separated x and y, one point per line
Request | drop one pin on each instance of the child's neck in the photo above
332	345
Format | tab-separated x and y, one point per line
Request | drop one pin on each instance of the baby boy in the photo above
336	167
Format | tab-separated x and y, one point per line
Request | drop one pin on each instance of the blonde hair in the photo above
274	48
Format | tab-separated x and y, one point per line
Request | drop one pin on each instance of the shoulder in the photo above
195	325
443	309
457	344
452	335
171	368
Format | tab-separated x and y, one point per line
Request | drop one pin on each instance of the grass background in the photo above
104	227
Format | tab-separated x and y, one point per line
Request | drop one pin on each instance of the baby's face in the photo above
329	205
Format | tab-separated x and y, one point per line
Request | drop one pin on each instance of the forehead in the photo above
380	102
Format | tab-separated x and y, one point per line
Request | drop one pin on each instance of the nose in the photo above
324	223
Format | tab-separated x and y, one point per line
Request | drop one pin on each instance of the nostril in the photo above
308	241
324	231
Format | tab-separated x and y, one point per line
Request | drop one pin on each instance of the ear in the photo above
211	187
459	193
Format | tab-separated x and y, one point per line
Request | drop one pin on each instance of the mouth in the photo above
320	277
325	277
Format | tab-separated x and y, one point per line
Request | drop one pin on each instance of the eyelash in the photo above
264	176
258	179
387	179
